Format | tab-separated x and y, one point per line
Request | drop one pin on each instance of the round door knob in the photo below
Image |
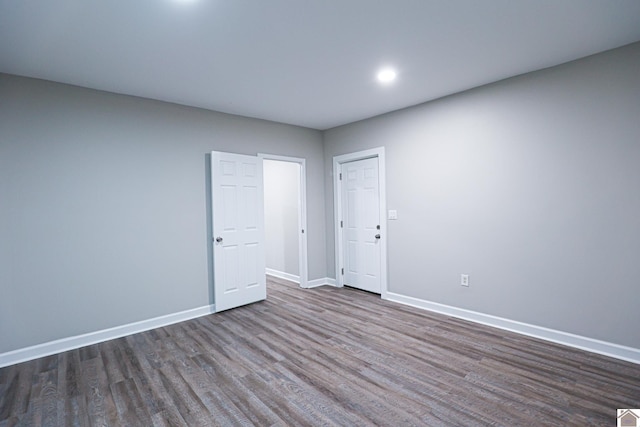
377	236
219	239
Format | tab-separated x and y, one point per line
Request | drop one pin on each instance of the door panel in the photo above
238	230
361	213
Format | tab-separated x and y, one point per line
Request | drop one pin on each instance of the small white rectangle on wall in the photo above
393	214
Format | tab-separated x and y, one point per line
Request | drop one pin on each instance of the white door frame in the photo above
337	203
302	214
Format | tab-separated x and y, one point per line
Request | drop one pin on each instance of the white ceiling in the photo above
305	62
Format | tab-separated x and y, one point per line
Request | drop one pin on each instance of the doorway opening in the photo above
285	218
360	220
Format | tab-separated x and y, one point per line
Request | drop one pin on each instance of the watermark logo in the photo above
628	418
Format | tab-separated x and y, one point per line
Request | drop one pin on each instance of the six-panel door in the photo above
238	230
361	224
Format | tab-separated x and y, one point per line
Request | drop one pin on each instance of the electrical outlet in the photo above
464	280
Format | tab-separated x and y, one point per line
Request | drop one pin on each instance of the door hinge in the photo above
340	176
343	271
341	224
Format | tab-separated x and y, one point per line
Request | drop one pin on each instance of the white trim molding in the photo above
283	275
72	343
325	281
617	351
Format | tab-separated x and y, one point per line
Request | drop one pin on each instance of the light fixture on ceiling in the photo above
386	75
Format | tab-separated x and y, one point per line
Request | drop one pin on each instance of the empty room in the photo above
347	213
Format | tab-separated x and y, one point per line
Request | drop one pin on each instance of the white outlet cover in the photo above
393	214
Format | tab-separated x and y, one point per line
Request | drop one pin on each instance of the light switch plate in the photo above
464	280
393	214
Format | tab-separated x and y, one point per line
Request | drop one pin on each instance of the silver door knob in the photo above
377	236
219	239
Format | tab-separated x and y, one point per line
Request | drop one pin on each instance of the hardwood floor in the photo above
323	356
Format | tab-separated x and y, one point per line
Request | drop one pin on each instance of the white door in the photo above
238	230
361	224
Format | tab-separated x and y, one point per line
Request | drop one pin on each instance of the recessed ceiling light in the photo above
386	75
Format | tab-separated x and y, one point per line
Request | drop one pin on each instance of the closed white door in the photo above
238	230
361	224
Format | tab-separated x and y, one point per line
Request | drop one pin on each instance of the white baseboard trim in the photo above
325	281
617	351
71	343
283	275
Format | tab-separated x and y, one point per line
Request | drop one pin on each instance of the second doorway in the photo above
285	219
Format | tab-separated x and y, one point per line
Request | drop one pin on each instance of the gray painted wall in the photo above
281	199
530	185
103	209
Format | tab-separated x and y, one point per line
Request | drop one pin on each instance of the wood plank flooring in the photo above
323	356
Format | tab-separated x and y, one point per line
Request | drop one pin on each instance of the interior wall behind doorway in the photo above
281	199
103	207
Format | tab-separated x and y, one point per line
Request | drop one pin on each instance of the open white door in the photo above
238	230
